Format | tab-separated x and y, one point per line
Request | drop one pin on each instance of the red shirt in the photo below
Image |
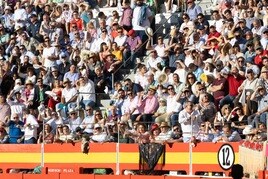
258	58
234	84
78	22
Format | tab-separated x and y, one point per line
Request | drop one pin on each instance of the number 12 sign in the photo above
226	156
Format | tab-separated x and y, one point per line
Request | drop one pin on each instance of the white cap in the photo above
97	126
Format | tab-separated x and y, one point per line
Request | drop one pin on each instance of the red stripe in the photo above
108	147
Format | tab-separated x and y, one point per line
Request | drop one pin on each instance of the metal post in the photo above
117	153
43	146
191	150
113	80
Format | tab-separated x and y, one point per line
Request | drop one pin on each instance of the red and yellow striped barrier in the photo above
68	158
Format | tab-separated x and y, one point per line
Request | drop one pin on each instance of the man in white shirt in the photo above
8	18
16	103
20	15
88	122
173	106
68	98
121	38
74	120
153	60
190	121
30	128
49	54
86	90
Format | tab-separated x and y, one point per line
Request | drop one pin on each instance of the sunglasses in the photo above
88	109
119	31
15	117
176	129
170	88
201	89
73	113
190	77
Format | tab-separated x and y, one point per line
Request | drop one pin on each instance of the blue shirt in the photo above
194	11
14	131
73	77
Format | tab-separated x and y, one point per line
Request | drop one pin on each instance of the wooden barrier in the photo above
81	176
68	159
252	158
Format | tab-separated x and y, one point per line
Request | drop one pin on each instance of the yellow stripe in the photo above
131	157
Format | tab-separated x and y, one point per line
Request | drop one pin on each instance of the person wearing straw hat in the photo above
74	120
165	133
150	103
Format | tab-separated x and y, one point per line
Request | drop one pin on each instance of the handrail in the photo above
164	38
144	43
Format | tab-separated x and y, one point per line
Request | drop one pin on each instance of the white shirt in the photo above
67	94
46	53
135	19
142	80
20	14
88	123
185	121
152	62
160	50
120	40
88	91
31	131
172	104
16	108
102	137
74	123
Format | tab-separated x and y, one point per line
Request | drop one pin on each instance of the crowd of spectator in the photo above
208	82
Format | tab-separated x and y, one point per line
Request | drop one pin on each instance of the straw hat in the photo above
72	110
248	130
66	81
149	31
206	78
29	82
97	126
164	124
209	60
162	78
